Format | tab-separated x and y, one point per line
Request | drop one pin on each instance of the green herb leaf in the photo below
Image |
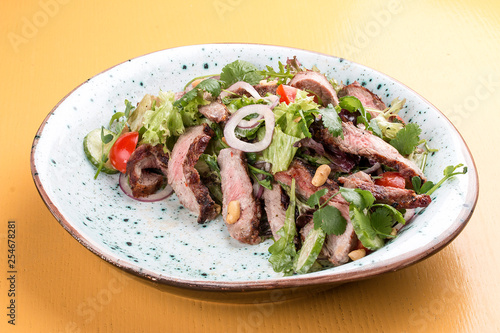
116	117
364	230
359	198
352	104
330	220
105	138
417	183
426	187
396	214
267	181
313	200
381	221
211	86
448	172
240	70
283	74
407	139
332	121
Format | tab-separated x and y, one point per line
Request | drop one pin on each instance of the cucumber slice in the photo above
92	146
310	250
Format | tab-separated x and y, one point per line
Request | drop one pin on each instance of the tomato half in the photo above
287	93
391	179
122	149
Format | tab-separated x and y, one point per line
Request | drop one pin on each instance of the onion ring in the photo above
240	85
238	116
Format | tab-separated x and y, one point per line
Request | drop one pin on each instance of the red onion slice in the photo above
241	85
373	168
238	116
273	99
160	195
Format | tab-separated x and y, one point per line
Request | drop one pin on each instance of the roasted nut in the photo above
233	212
357	254
196	82
321	175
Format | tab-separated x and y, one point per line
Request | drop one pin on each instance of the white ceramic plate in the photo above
161	241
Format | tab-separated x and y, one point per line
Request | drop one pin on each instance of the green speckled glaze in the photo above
161	240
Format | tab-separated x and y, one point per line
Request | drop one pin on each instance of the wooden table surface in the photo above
448	51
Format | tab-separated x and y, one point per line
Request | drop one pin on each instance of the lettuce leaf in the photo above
162	121
281	150
287	114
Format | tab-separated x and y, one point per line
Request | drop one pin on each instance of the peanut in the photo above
357	254
233	212
196	82
321	175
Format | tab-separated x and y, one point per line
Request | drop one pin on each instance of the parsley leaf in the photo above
326	217
314	199
396	214
382	221
407	139
332	121
240	70
330	220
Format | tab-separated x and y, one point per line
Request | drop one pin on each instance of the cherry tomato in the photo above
287	93
391	179
122	149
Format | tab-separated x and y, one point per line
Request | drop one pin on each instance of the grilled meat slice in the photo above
365	96
265	88
316	83
184	178
396	197
275	209
237	186
336	248
147	170
215	111
363	143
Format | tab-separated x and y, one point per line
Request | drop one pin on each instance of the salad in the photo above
325	169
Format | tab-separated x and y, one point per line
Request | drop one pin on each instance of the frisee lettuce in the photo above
162	121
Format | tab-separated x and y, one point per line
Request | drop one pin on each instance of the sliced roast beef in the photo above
363	143
184	178
396	197
336	248
275	208
316	83
147	170
237	186
365	96
215	111
266	88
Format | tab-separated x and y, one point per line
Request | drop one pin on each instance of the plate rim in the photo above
390	265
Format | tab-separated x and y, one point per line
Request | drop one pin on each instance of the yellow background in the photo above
448	51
